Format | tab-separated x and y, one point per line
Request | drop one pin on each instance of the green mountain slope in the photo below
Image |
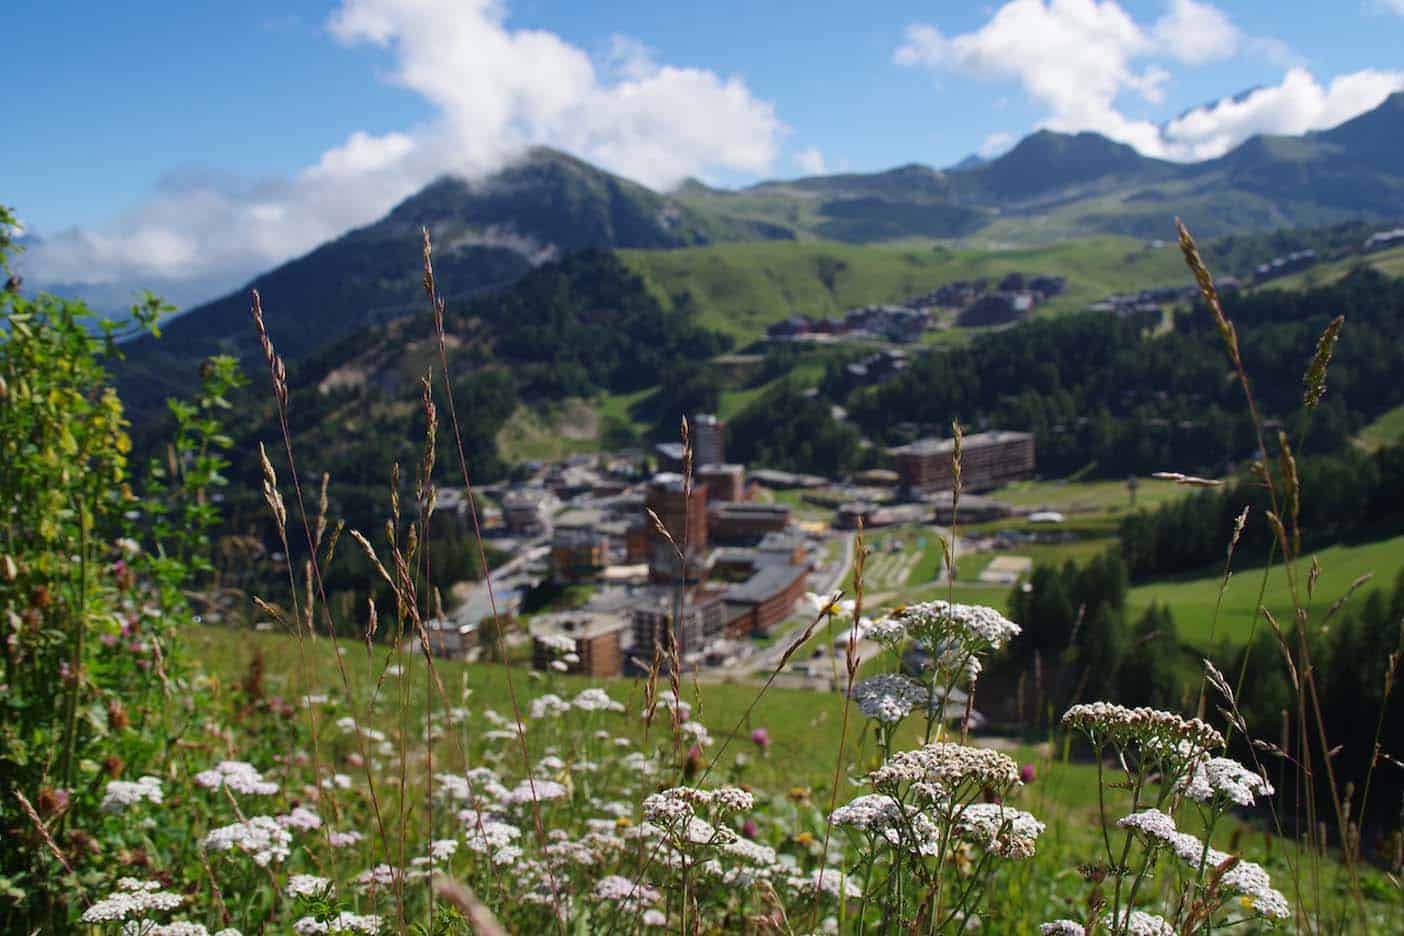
487	235
1053	186
742	288
1049	188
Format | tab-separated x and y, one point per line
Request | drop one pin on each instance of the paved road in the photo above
758	665
507	581
768	658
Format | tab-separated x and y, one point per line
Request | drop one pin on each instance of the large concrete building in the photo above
598	642
652	614
988	459
765	599
525	511
745	521
579	545
683	513
724	482
708	440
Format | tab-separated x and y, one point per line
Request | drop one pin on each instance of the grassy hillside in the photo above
1390	262
742	288
1192	600
804	728
1385	430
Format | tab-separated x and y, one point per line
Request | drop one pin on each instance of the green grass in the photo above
742	288
1088	496
1390	262
549	433
1192	601
734	400
1386	430
805	728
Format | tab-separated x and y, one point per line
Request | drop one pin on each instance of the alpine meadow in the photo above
600	496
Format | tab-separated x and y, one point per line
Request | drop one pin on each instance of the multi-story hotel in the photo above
988	459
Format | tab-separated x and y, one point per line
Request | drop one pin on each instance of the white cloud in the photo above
1196	33
1073	56
810	161
497	90
500	89
1080	58
1298	104
995	144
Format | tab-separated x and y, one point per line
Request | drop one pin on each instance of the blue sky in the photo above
191	145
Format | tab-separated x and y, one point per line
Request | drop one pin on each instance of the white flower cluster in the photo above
301	818
830	881
1223	778
1063	928
1138	923
131	898
261	837
1007	832
976	628
307	885
489	836
349	725
123	793
943	766
1152	823
537	790
874	813
549	705
178	928
679	803
1245	877
239	776
382	875
882	816
888	698
625	892
596	700
1107	722
888	631
344	922
557	643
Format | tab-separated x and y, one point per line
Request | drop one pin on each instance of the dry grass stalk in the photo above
1190	480
461	897
436	307
1292	484
851	660
278	377
42	830
1315	377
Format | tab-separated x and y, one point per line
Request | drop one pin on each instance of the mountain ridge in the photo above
1049	186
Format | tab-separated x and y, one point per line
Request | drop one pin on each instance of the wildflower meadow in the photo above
163	776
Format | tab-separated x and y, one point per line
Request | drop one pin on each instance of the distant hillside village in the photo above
1292	262
981	303
601	542
974	301
625	538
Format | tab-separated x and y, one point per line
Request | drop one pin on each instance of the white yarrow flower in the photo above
121	793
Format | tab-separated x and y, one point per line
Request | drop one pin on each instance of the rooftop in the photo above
715	468
745	508
584	624
768	581
579	519
942	446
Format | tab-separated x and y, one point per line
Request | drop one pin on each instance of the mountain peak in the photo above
1046	161
973	161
